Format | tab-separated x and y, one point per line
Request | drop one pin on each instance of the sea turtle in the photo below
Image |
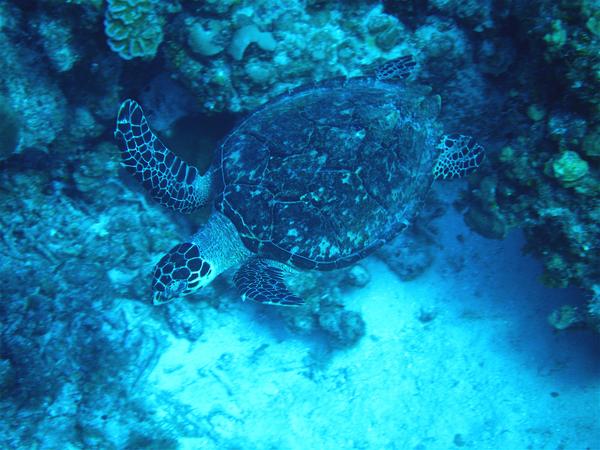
317	178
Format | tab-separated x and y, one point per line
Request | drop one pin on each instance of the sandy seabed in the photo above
463	356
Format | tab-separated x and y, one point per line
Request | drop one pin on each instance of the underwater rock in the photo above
7	377
259	72
478	14
184	321
546	175
10	130
345	327
165	102
407	255
566	316
568	31
302	323
324	311
567	128
569	168
68	309
485	222
591	144
536	112
83	125
496	56
444	45
30	92
57	39
217	7
593	309
90	178
388	30
358	276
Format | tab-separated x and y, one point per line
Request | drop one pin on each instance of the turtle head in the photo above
180	272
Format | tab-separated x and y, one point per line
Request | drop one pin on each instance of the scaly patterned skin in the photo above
171	181
194	264
263	283
398	69
178	273
460	156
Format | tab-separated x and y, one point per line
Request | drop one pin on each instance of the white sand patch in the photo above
486	372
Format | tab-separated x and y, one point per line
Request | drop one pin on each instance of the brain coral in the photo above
133	27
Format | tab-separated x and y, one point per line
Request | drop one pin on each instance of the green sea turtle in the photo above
317	178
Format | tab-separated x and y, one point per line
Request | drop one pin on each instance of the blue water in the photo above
448	337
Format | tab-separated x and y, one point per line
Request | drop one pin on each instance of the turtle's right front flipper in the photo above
171	181
460	155
262	282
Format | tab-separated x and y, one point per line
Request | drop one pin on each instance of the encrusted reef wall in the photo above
523	76
545	178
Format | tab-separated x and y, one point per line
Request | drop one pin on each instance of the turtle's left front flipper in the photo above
169	180
396	69
262	282
460	155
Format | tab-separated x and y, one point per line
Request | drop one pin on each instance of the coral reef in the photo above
568	168
234	57
57	39
134	27
325	312
61	300
10	130
545	180
31	94
593	309
78	336
409	255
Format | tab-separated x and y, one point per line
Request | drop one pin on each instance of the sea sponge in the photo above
203	38
558	36
247	35
569	168
133	27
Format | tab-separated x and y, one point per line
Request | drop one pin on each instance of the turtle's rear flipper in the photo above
259	281
171	181
460	155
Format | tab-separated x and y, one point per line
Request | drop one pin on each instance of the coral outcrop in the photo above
134	27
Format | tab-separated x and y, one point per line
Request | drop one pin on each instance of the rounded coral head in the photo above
180	272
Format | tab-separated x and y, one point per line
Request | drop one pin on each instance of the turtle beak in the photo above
172	292
158	298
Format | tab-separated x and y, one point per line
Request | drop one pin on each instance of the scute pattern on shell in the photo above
322	176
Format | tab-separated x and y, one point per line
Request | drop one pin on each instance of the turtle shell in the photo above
321	176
